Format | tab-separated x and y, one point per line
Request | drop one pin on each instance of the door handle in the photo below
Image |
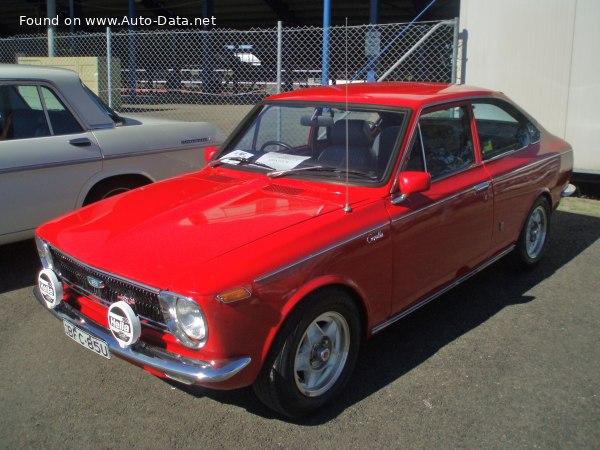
80	142
481	186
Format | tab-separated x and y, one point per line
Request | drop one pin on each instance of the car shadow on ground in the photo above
19	265
408	343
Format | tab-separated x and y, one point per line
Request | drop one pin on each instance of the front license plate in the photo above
87	340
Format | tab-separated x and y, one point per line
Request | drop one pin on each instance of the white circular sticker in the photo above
124	325
50	287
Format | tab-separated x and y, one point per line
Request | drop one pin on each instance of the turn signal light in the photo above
234	295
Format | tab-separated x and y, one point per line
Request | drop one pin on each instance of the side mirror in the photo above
209	152
412	182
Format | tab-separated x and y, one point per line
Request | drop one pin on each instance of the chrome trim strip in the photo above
153	152
502	155
49	165
179	368
531	165
439	202
90	296
406	312
319	253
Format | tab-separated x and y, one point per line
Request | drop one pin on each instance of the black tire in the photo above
531	245
112	186
300	376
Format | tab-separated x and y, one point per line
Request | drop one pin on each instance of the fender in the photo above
308	288
101	176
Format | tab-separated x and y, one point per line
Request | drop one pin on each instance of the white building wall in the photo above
545	55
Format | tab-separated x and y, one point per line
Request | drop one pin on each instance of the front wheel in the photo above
532	241
112	186
313	356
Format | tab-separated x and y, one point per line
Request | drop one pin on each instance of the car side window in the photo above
61	119
443	144
501	128
21	113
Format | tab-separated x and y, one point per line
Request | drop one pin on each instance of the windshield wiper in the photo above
282	173
242	161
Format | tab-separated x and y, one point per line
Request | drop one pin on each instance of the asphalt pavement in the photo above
506	360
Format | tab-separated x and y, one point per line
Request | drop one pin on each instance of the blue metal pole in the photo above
132	53
373	20
326	23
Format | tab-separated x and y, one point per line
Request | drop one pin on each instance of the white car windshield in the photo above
328	142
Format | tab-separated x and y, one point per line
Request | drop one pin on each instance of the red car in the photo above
328	215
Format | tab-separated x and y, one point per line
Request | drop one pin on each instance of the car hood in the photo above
155	233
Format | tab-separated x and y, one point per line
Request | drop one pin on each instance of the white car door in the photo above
46	156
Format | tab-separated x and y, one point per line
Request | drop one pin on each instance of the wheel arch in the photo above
142	178
303	294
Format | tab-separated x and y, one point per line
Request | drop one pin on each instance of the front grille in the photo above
142	300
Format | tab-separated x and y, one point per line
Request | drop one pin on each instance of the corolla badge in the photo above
374	237
95	282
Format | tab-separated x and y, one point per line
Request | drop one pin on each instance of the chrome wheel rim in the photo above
321	354
537	227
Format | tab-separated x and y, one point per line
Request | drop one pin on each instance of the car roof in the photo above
30	72
413	95
69	86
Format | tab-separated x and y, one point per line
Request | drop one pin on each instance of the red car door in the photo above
443	233
510	150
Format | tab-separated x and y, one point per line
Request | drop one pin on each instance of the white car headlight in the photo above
185	319
191	319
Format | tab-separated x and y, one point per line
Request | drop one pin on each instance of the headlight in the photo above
185	319
44	253
191	319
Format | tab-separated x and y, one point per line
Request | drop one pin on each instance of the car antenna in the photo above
347	207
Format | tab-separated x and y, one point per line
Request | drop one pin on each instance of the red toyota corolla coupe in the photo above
328	215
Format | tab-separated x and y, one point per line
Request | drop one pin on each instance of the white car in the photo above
61	148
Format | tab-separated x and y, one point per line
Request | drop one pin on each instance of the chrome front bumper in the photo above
176	367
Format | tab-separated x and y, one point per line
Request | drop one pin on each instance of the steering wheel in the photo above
278	143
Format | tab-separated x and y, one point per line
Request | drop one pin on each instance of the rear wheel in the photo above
313	356
532	241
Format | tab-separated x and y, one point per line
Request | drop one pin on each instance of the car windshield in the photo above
118	120
326	142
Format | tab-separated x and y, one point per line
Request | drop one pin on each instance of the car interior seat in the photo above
384	146
359	146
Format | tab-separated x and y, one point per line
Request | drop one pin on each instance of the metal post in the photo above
132	53
210	85
326	23
455	51
372	36
279	54
51	13
109	63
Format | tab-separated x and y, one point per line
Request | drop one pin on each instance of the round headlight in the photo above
190	319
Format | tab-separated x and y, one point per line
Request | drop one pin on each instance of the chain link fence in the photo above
218	75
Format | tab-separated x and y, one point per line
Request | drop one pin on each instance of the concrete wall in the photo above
544	54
